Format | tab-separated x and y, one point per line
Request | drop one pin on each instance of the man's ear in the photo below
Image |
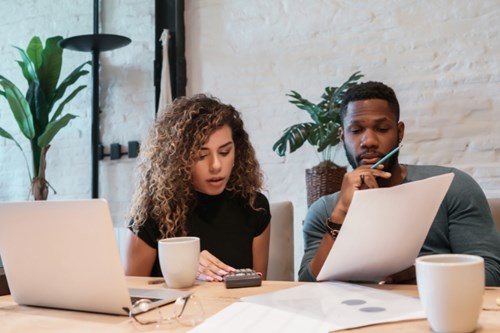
341	134
401	131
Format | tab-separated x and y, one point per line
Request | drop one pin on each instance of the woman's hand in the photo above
211	269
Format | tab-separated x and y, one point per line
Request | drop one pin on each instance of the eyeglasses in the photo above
187	311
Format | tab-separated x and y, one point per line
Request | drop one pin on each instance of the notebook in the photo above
384	230
63	254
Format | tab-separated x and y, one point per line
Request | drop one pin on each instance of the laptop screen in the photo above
63	254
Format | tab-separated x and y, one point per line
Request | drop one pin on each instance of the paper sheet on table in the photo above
384	230
314	307
245	317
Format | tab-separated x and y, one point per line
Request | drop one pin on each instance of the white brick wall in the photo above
441	57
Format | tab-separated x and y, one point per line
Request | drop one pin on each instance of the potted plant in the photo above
36	114
322	133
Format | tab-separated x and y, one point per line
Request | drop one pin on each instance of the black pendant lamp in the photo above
95	43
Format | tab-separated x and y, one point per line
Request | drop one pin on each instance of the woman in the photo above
199	177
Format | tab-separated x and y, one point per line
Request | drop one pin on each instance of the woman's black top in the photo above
225	224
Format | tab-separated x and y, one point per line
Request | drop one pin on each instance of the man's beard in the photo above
388	164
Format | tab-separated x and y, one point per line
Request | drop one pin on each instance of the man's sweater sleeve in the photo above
313	231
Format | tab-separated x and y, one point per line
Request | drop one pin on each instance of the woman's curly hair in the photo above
165	191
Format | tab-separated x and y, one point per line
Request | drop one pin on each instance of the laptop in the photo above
63	254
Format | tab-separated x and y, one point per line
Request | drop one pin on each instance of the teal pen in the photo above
385	157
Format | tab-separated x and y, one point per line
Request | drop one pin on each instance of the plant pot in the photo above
321	181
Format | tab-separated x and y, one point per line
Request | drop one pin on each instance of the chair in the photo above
495	210
281	261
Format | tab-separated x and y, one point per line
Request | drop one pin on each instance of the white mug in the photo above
451	288
179	258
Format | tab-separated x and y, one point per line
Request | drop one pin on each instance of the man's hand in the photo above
358	179
407	276
211	268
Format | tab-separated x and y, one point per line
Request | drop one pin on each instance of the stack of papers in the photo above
314	307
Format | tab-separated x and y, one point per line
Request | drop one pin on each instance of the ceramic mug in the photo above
179	258
451	288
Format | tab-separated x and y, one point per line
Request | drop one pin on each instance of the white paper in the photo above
314	307
246	317
384	230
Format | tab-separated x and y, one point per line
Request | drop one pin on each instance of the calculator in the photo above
245	277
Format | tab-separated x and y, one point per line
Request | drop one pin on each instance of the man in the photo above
370	130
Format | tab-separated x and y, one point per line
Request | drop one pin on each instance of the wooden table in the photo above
214	297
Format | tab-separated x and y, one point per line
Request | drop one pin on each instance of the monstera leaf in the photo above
322	132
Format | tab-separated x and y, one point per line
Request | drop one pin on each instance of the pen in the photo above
385	157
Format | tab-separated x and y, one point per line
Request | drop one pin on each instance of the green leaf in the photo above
302	103
68	81
34	51
298	100
340	92
27	66
19	107
38	105
329	137
50	69
36	153
66	100
24	70
323	133
8	136
2	93
293	137
52	129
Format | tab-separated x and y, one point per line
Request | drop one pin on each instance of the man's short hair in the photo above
370	90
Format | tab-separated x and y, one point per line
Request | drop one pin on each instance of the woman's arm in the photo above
260	251
140	257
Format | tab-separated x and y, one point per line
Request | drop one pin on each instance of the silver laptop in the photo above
63	254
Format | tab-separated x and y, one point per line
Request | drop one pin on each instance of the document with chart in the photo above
314	307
